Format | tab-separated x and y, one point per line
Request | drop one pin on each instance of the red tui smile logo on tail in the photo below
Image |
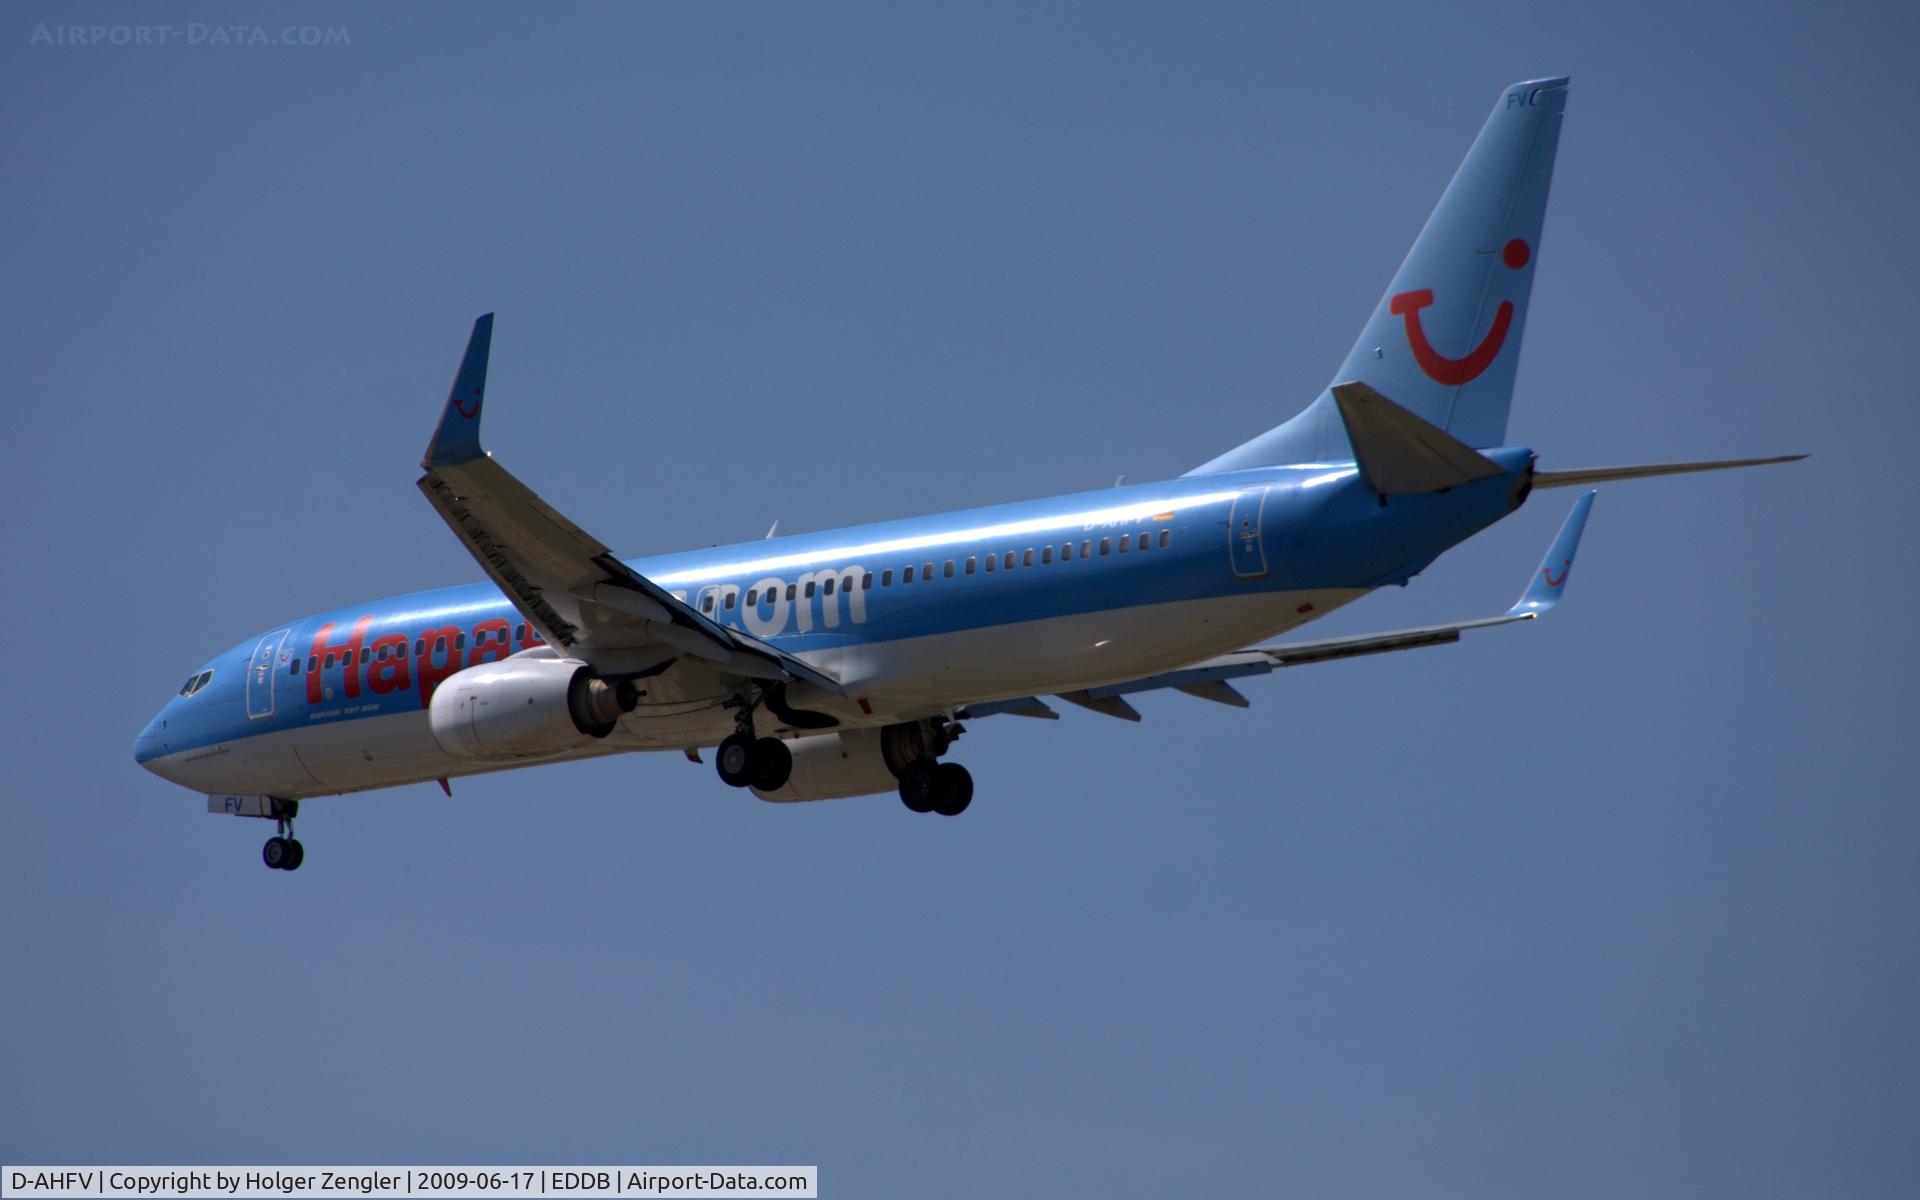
1455	371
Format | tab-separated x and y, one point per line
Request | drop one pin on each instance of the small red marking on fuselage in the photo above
460	406
1515	254
1304	608
865	707
1546	573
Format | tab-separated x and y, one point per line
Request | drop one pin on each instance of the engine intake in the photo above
525	708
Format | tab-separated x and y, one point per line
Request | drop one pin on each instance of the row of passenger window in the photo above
369	654
972	565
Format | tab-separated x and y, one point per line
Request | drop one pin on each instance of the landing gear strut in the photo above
926	784
283	853
745	760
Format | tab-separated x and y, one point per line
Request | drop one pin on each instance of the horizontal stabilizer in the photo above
1589	475
1398	453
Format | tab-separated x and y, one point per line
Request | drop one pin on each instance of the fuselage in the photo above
914	617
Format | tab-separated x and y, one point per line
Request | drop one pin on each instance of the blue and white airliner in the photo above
849	662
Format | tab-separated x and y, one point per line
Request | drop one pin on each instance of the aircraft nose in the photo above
152	742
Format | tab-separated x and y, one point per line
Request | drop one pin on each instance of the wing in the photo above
1210	680
565	582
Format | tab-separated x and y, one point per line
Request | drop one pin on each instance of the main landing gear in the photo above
744	760
912	752
283	853
942	787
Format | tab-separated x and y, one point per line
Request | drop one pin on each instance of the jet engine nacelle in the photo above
524	708
828	766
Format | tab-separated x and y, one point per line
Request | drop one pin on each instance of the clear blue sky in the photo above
1619	904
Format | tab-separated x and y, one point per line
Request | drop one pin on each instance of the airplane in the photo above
849	662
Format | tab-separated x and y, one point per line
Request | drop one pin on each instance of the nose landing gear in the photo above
283	852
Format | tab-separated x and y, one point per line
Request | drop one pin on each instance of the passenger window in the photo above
1007	560
1066	552
1106	546
809	589
790	590
906	575
706	603
866	582
1026	559
419	650
991	559
926	571
753	597
970	564
731	596
886	577
1143	541
1086	548
329	662
520	632
830	582
949	571
365	654
440	644
1166	537
293	668
459	641
1126	543
313	662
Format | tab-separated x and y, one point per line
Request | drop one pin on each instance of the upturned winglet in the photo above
1543	591
456	439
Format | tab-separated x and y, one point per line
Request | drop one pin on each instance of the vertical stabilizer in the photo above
1445	338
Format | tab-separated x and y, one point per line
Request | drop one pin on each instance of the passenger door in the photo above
268	662
1245	549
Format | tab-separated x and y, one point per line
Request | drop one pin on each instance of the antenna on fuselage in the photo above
770	530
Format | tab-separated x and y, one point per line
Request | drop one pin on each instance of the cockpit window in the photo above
195	683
